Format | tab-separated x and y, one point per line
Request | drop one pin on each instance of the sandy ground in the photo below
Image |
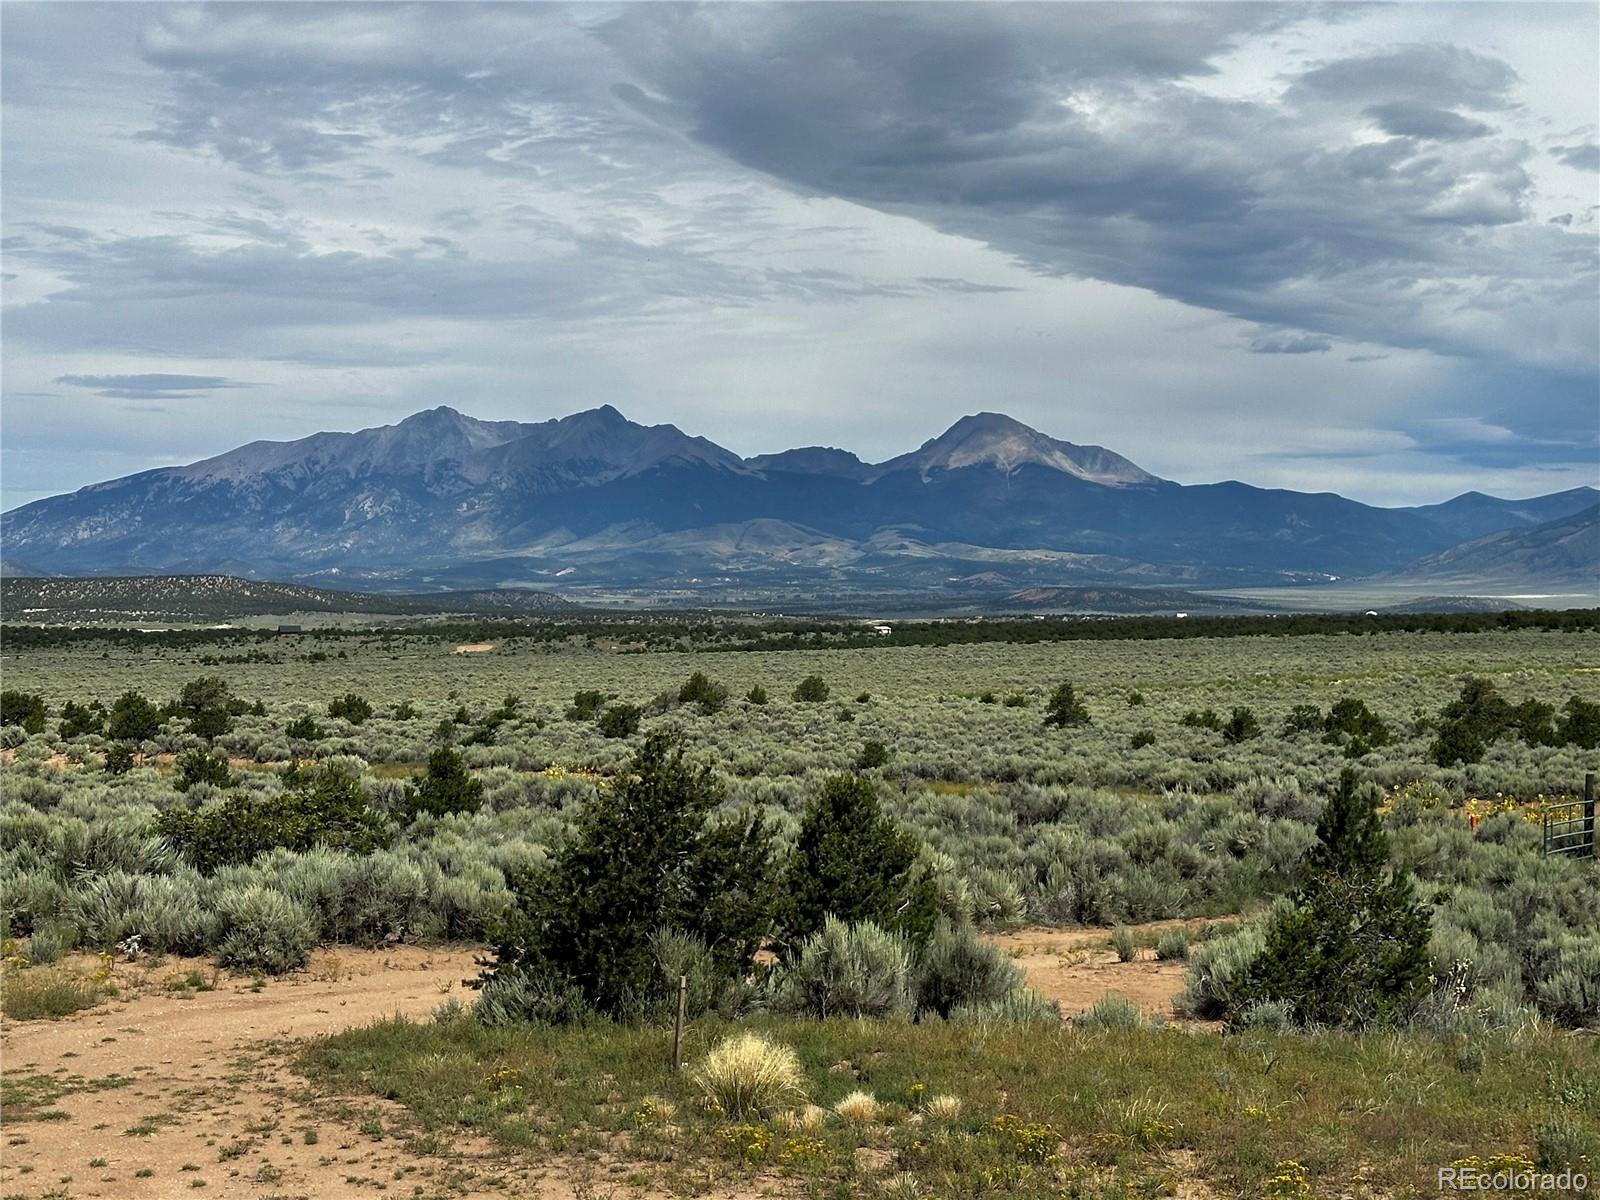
1076	967
213	1109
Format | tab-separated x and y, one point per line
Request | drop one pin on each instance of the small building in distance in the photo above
883	630
289	630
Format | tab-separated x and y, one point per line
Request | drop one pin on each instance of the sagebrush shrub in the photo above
530	998
264	930
957	969
1124	943
850	971
1570	992
1219	970
1172	946
1021	1007
1111	1012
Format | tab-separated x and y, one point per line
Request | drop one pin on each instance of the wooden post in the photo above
1588	812
677	1028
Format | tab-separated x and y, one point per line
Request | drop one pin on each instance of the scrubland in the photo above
248	824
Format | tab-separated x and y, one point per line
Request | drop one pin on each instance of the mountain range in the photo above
595	502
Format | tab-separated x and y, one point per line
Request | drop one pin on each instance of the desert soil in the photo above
213	1108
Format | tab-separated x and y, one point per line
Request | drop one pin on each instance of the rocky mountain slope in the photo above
443	500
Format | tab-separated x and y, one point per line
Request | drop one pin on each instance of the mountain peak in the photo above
996	440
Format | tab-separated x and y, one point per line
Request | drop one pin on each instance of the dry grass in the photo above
47	993
859	1108
747	1074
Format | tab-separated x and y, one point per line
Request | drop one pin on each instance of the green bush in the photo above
1141	739
23	708
198	766
849	971
304	729
119	758
872	756
854	863
133	719
328	809
1241	726
350	707
1353	948
264	930
78	720
1064	708
957	969
645	855
1351	722
620	720
447	787
204	704
585	705
1580	724
811	690
756	695
1302	718
1172	946
699	689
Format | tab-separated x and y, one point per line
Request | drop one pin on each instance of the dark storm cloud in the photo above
1063	135
1405	118
1437	75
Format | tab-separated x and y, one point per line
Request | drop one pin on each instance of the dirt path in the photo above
208	1105
164	1093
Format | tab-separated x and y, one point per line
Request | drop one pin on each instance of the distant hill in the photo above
1167	601
1563	553
602	506
223	597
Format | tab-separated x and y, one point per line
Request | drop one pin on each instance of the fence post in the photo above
1588	812
677	1027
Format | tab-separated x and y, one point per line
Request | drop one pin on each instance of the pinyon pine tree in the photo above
854	863
646	856
1353	950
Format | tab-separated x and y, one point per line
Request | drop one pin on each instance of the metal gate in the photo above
1569	828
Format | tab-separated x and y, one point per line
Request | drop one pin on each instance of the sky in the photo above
1340	247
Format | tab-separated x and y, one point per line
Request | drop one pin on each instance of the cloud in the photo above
1405	118
1289	343
151	386
1584	157
751	217
1011	124
1436	75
